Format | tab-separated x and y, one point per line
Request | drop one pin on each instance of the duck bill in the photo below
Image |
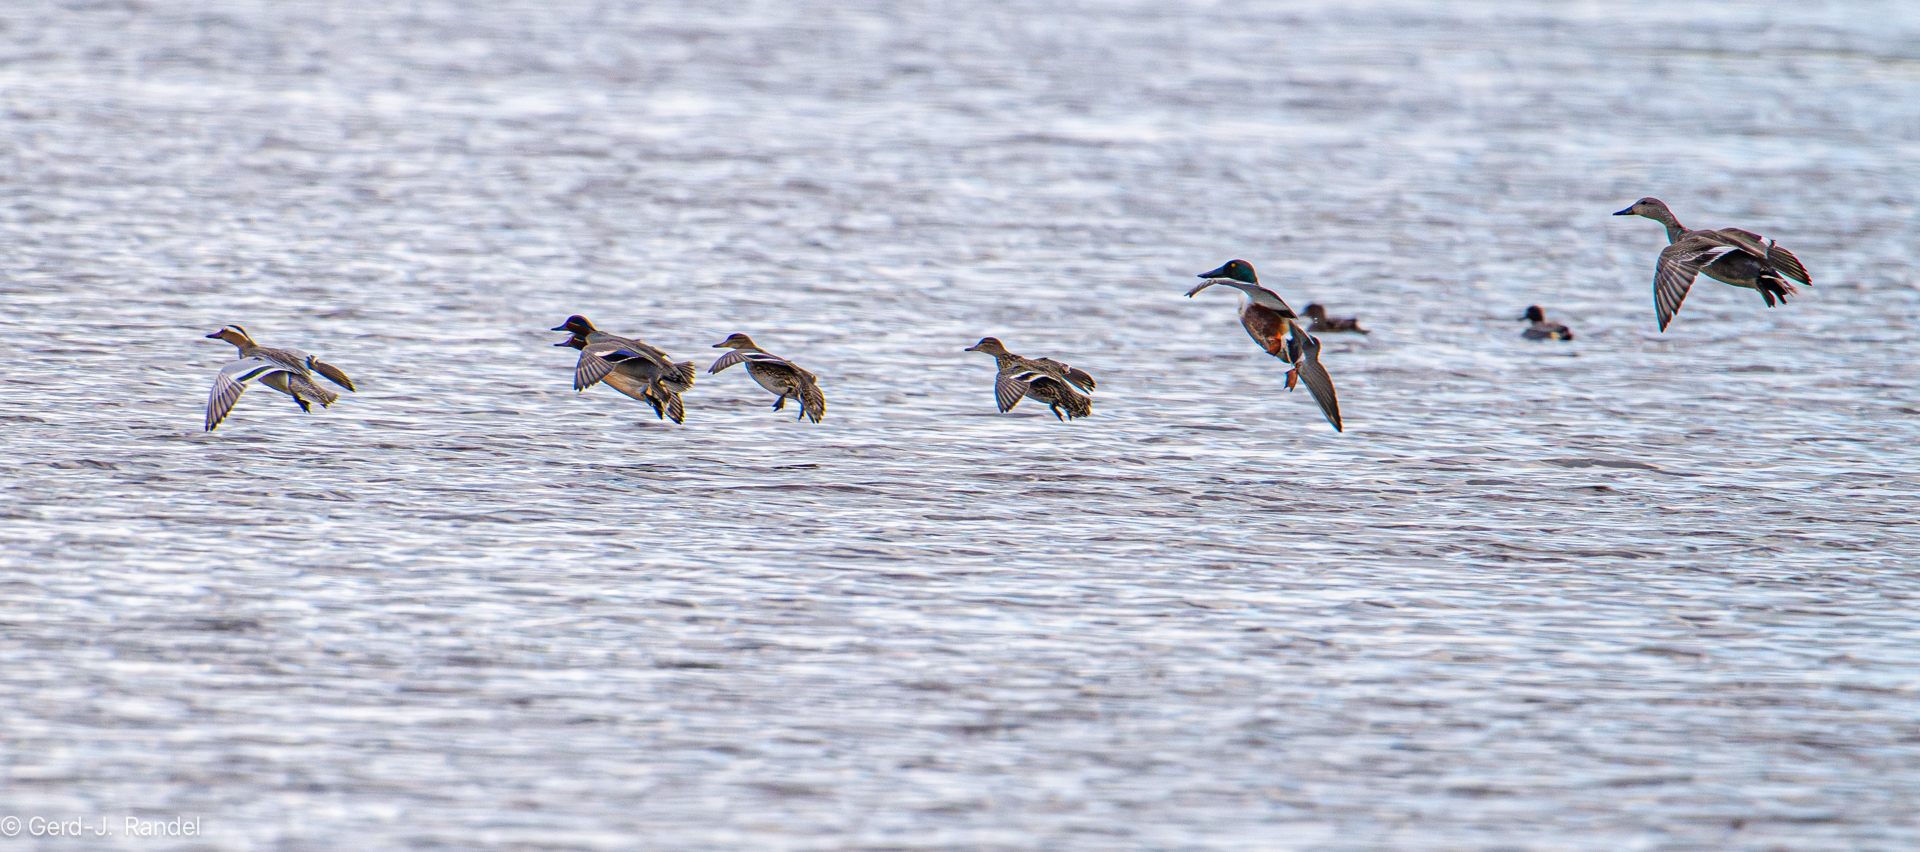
1626	212
973	348
216	335
1218	273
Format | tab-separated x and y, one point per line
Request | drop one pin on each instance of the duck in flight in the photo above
1729	255
1044	379
1276	328
785	379
629	366
289	371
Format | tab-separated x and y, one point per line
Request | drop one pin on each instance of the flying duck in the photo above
629	366
1044	379
289	371
785	379
1729	255
1276	328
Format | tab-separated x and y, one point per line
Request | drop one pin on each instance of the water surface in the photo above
1640	592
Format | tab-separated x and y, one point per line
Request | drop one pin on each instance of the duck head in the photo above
989	345
576	324
1314	311
1649	207
1534	314
736	340
1238	270
232	334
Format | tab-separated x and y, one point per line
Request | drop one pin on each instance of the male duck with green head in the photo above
1277	329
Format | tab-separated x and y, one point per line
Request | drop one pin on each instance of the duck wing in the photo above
813	403
1781	260
332	373
1746	241
1786	264
1062	371
291	360
1318	382
1009	388
1678	265
1081	379
597	360
732	357
231	382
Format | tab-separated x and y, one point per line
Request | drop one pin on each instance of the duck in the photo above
1043	379
785	379
629	366
1729	255
1322	324
1541	329
289	371
1276	329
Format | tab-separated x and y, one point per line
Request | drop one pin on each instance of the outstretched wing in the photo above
331	373
230	382
1786	264
1081	379
291	360
1008	389
813	403
1746	241
731	358
1316	379
1678	265
596	361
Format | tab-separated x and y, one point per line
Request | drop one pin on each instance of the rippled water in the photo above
1644	591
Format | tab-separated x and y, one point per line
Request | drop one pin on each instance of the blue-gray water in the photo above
1641	592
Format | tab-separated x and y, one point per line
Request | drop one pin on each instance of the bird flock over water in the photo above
639	370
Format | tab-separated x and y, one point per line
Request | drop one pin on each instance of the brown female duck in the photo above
1729	255
1044	379
785	379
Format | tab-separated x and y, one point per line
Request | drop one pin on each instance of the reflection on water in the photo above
1643	591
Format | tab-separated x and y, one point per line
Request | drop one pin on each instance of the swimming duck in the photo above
783	377
289	371
1729	255
1044	379
1276	328
629	366
1541	329
1322	324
